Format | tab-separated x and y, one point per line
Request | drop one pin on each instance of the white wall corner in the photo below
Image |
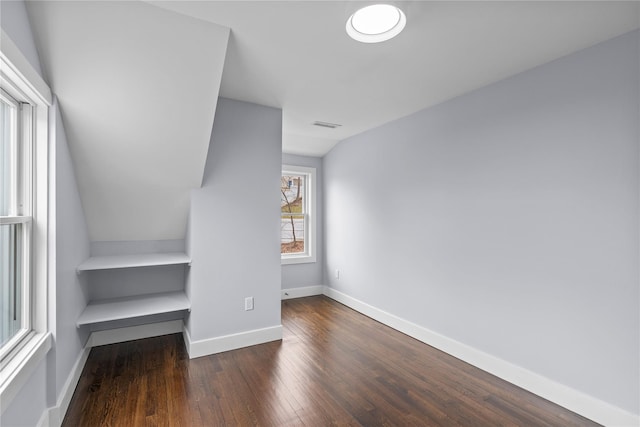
574	400
306	291
230	342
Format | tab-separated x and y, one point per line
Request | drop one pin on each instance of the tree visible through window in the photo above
293	208
297	214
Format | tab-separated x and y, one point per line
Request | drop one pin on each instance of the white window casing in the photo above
309	212
25	351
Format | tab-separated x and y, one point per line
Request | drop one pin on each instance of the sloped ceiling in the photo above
138	81
138	87
296	55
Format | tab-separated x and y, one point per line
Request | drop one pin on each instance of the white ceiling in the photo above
138	84
138	87
297	56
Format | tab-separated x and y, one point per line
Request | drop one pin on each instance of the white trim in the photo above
20	77
130	333
20	65
16	373
574	400
8	220
307	291
310	231
45	420
297	259
230	342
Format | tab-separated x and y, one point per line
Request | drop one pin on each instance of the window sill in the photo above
299	259
16	373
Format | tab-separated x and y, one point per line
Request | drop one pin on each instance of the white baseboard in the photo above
44	420
230	342
307	291
576	401
57	413
130	333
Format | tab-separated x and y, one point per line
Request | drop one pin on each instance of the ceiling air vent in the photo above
326	125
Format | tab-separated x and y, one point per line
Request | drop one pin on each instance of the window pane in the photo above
7	147
11	289
292	234
292	194
292	201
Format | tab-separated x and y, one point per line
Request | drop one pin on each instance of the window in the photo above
24	104
297	216
15	220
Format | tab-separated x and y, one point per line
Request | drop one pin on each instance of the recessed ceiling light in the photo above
376	23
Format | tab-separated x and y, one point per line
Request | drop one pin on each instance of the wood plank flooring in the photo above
334	366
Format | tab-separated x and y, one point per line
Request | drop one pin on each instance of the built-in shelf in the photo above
134	260
135	306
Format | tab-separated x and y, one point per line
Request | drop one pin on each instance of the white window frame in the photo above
21	204
23	83
310	225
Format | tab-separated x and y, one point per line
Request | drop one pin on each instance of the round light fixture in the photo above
376	23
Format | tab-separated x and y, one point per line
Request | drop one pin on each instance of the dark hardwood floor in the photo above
334	366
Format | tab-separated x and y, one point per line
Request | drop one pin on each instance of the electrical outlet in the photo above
248	303
337	274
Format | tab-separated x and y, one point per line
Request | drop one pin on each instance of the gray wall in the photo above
72	248
15	22
135	281
308	274
507	219
68	246
30	403
234	224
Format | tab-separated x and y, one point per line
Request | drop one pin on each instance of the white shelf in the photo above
130	307
134	260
